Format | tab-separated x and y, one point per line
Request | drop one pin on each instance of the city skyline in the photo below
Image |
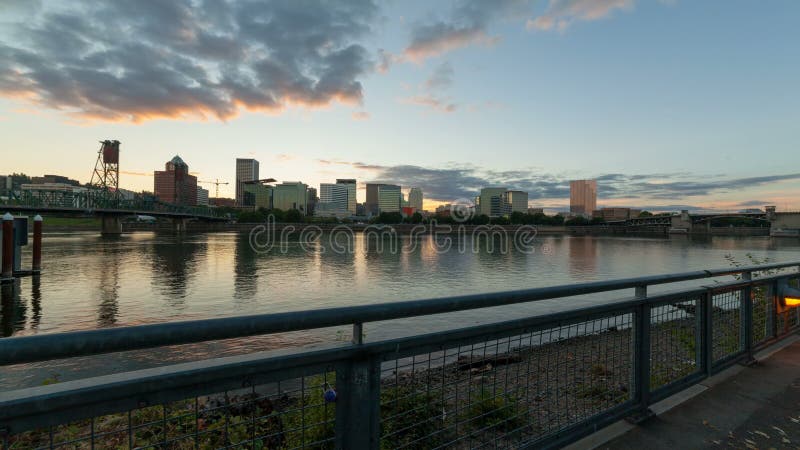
528	96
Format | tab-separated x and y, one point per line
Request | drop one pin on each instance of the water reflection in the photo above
174	266
12	308
583	256
245	273
108	288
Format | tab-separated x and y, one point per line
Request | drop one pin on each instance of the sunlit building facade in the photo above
582	196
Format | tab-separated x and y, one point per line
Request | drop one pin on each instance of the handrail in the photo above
27	349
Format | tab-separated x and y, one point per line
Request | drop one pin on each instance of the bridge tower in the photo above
106	169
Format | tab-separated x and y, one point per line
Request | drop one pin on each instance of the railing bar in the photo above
17	350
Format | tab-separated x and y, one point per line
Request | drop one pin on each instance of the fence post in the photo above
746	320
707	349
358	398
641	364
774	313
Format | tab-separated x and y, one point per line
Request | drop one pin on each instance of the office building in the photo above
582	196
311	201
351	193
290	195
54	179
174	184
258	194
490	202
202	196
415	198
533	211
515	201
246	170
372	198
334	197
615	214
389	198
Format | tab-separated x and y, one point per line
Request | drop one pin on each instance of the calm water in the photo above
92	282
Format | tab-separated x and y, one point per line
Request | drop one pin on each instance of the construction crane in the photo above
215	183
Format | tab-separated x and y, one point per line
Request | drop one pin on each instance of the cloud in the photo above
467	25
360	115
560	14
431	95
463	181
135	61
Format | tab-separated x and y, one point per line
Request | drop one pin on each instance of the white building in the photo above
351	185
515	201
246	170
290	195
389	198
415	198
334	200
202	196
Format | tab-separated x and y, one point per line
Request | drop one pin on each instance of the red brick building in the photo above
174	184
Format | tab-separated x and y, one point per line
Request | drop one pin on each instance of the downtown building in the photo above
415	199
351	185
174	184
246	171
500	201
582	197
333	200
390	198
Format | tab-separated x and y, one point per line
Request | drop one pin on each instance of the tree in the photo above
293	216
577	222
645	214
518	218
416	218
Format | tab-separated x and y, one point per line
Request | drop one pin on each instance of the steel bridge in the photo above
532	381
106	205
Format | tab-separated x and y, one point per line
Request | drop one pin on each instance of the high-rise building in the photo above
389	198
202	196
246	170
290	195
415	198
582	196
372	203
311	201
334	197
490	202
174	184
351	193
515	201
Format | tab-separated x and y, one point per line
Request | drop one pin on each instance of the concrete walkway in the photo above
755	407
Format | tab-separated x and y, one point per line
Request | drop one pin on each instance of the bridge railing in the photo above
103	200
542	379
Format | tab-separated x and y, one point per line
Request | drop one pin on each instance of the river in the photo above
91	282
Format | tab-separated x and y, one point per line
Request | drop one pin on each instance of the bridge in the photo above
702	223
106	205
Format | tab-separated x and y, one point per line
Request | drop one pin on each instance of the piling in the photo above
37	244
8	248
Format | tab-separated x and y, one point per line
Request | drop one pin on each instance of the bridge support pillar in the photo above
111	225
179	225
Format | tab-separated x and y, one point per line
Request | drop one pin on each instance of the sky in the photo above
669	104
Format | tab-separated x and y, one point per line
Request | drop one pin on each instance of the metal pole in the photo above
747	319
642	364
37	243
358	383
707	301
8	247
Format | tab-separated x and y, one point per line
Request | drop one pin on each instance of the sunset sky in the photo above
669	104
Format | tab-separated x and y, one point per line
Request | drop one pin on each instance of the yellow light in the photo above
792	301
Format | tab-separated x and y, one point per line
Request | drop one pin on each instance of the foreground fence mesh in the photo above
674	334
504	392
529	381
284	415
726	324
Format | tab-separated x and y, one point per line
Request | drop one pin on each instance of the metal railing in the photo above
98	200
534	381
